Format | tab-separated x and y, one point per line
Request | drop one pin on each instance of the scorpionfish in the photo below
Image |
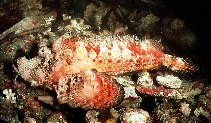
81	67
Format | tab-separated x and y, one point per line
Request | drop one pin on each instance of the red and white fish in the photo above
80	69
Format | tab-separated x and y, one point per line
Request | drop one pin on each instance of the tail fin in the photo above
179	64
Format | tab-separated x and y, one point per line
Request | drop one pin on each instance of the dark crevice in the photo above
8	70
148	103
33	51
20	115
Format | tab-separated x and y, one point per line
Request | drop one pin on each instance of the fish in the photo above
81	67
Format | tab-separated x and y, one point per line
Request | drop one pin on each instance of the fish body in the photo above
81	67
113	55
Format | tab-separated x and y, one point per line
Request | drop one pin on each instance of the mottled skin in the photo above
113	55
80	64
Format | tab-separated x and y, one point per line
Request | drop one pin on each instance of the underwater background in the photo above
38	38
